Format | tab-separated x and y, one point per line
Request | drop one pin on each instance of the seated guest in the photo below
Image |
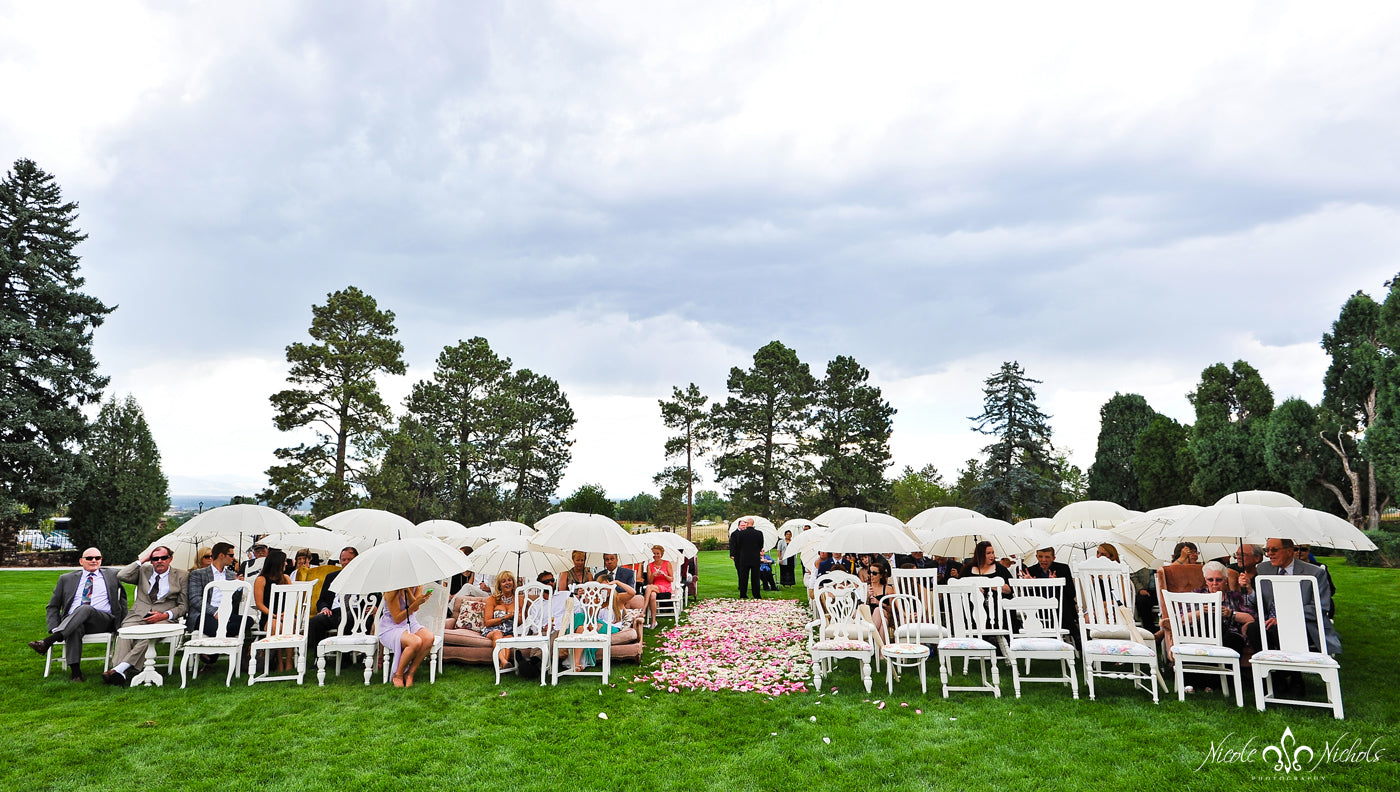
878	588
89	600
863	562
301	565
204	615
825	563
328	610
659	582
160	597
765	573
624	576
610	619
948	568
843	562
578	574
400	631
274	572
253	565
1239	627
1247	558
984	564
202	559
1144	601
461	579
915	560
1046	568
500	612
1186	553
1283	560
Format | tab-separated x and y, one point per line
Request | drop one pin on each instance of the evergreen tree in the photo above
1227	441
852	443
1019	473
685	415
761	430
1381	445
1361	365
535	445
335	395
1163	463
590	499
1315	468
917	490
412	479
1122	420
675	483
47	370
125	493
638	508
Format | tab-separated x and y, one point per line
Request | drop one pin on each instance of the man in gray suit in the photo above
90	600
204	616
624	576
160	597
1283	560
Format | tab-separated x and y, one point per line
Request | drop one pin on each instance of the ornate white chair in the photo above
1055	588
1040	636
909	631
589	602
221	642
842	583
358	616
290	605
842	633
1197	624
534	627
1294	652
1102	590
972	609
103	639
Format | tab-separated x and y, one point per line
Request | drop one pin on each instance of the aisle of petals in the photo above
729	644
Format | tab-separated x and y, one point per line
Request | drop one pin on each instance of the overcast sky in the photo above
631	196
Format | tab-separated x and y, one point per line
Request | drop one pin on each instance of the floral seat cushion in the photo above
965	644
1305	658
1041	644
842	645
1119	648
905	650
211	642
1205	650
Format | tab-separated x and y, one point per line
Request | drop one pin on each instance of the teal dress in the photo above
590	656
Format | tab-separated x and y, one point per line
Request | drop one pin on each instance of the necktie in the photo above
87	589
155	587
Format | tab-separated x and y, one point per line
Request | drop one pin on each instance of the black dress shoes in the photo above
75	674
41	646
115	677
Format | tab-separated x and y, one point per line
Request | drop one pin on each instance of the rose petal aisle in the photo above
733	644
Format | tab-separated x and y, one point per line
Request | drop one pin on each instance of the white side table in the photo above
150	633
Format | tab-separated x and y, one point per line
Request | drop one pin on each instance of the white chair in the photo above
534	627
1294	652
912	620
290	605
842	634
357	633
922	585
972	609
909	631
433	615
1197	624
1040	636
221	642
1054	588
103	639
590	600
1101	587
842	583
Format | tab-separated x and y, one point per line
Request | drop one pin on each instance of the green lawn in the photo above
463	733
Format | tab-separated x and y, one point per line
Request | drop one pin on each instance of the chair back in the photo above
592	600
972	606
1054	588
225	613
357	613
838	610
1039	601
291	602
1296	631
922	584
1101	586
534	609
433	614
841	581
1194	618
905	610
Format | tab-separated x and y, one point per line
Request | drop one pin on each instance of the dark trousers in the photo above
317	629
210	625
765	576
788	576
80	621
748	574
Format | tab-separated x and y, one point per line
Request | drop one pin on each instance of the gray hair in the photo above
1212	566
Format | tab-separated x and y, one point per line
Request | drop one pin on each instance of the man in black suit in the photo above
915	560
90	600
746	545
1046	567
328	612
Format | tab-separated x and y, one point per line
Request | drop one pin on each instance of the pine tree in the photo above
1232	410
1018	478
685	415
1122	420
852	442
47	370
125	493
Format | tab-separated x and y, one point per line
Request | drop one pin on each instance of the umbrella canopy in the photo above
399	563
797	527
246	519
1244	522
874	538
1331	530
1082	543
958	538
450	532
1089	514
594	534
478	535
1152	530
184	550
929	519
513	554
1260	498
806	543
764	526
673	541
328	543
1038	523
374	525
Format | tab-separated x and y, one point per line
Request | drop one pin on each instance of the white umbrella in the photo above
319	539
797	527
1331	530
1081	543
1151	530
1260	498
374	525
513	554
958	538
929	519
1038	523
764	526
870	538
673	541
1089	514
236	521
450	532
1244	522
806	542
594	534
184	550
478	535
399	563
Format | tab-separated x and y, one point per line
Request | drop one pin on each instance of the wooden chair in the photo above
358	616
221	642
533	629
290	605
1294	652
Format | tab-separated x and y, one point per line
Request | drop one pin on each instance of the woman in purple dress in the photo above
400	631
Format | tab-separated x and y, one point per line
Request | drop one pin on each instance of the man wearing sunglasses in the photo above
160	597
1283	560
90	600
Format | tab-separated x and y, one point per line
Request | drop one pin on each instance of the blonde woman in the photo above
400	631
659	578
500	612
578	574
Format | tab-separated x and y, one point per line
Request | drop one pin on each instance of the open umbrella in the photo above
1152	530
1082	543
1244	522
1089	514
958	538
450	532
673	541
399	563
374	525
513	554
328	543
184	550
929	519
764	526
1260	498
870	538
1330	530
806	543
478	535
236	524
594	534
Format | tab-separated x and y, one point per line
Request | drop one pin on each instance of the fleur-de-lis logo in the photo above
1285	755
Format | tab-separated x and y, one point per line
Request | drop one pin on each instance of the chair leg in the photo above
321	667
232	667
184	669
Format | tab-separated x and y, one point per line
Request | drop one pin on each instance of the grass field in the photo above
466	733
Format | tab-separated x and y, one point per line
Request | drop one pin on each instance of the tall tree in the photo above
685	415
47	369
590	499
916	490
675	482
412	478
1122	420
1164	465
1019	474
535	446
1232	410
1315	468
463	407
125	493
761	430
638	508
852	442
336	395
1381	444
1361	364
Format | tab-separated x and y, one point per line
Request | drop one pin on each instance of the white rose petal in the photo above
814	718
826	740
603	715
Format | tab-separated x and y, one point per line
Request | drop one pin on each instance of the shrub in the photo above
1386	554
709	543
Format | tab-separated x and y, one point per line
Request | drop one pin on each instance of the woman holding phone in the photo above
400	631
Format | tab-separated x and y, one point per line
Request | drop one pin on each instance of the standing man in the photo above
90	600
328	611
746	545
204	616
160	597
